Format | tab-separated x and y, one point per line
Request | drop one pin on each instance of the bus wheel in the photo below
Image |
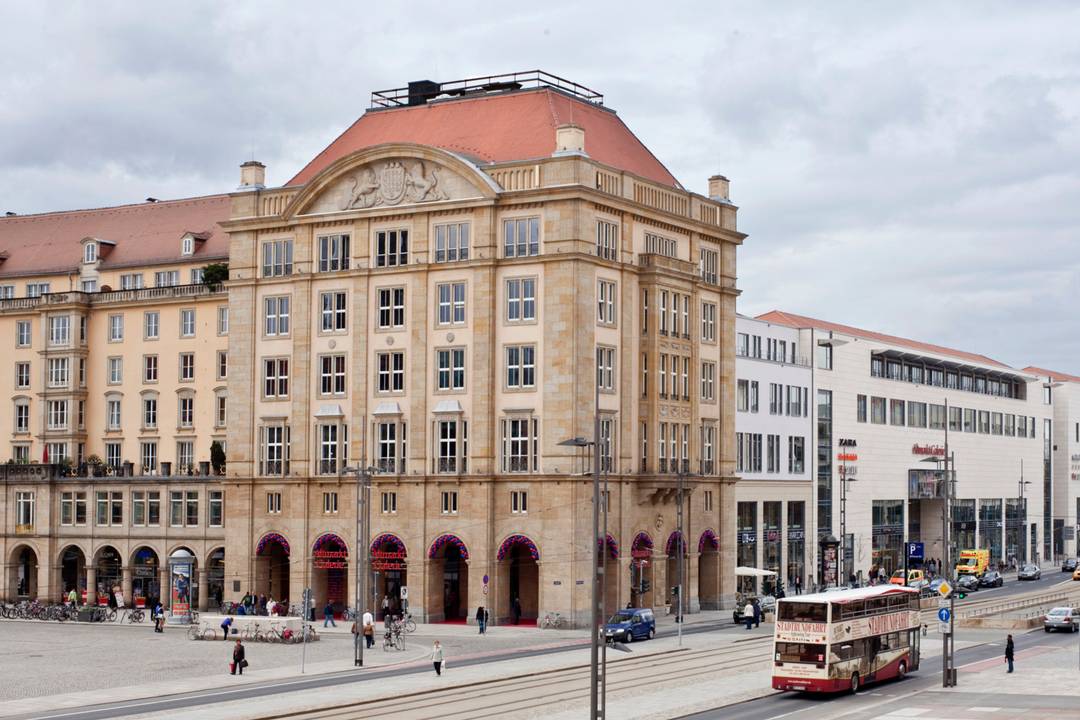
901	670
855	682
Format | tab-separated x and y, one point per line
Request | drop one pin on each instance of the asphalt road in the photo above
799	706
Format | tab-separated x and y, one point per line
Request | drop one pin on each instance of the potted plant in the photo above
217	457
96	465
215	273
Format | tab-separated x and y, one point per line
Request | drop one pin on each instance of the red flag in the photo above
45	455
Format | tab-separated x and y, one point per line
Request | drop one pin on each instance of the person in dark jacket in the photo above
226	623
238	660
328	615
516	610
1009	648
481	618
757	613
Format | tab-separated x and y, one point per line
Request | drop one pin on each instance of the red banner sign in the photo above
927	450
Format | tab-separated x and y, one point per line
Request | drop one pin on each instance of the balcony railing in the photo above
517	464
390	466
113	296
707	467
450	465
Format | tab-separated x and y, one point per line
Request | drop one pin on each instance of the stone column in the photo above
164	589
204	590
692	575
45	590
126	586
91	585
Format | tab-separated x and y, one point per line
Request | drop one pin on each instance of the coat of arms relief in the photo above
395	182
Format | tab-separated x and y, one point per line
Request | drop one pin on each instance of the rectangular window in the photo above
220	413
860	404
391	371
450	368
277	258
191	508
276	378
216	514
274	450
333	253
187	367
58	372
449	503
276	316
333	311
824	357
520	366
521	237
333	448
916	414
742	395
390	447
984	422
520	444
166	278
896	412
22	333
660	245
22	417
451	437
663	312
708	382
187	322
521	300
607	240
186	419
150	368
131	281
197	275
332	375
877	410
772	453
273	503
644	312
389	503
708	327
710	264
7	292
60	330
451	242
391	308
185	457
116	328
223	320
969	420
519	502
451	303
151	325
176	508
112	414
149	413
113	455
138	508
222	365
796	455
329	503
605	368
605	302
391	248
115	370
37	289
57	414
24	510
22	375
149	456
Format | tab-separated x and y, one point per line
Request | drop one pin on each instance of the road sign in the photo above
485	589
404	593
944	588
915	550
943	614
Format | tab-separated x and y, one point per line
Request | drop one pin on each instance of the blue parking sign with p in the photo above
915	550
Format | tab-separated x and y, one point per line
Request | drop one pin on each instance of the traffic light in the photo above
675	591
645	586
960	594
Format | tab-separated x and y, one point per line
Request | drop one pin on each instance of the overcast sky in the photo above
912	170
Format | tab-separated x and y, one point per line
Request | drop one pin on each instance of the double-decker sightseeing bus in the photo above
833	641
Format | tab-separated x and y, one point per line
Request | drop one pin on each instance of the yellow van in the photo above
973	562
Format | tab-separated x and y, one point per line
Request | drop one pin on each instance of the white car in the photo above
1062	618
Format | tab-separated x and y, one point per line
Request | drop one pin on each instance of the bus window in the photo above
800	652
803	612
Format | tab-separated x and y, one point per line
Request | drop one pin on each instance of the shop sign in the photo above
847	457
848	471
330	559
641	554
772	536
795	534
388	560
800	632
917	449
747	538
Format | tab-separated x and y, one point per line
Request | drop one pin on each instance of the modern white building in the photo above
774	436
883	407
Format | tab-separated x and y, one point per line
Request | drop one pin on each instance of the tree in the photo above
217	457
215	273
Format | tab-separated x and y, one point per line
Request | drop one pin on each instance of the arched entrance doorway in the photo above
709	570
519	565
641	571
330	572
72	570
109	575
448	594
673	548
23	573
272	567
145	577
215	578
388	565
610	559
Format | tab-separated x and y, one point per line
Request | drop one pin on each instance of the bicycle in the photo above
135	615
250	632
201	632
409	623
552	621
307	633
276	633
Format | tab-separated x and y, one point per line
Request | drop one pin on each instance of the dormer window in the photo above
90	252
187	245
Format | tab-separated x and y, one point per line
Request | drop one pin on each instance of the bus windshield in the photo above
803	612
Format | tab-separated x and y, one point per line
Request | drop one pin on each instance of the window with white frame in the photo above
277	258
220	411
185	456
607	443
149	455
151	325
149	418
521	300
58	372
88	286
273	503
520	366
451	242
223	320
187	322
37	289
663	375
333	450
276	315
222	365
685	378
22	333
112	414
607	240
73	508
197	276
686	316
186	408
521	237
131	281
57	413
24	509
333	252
451	303
391	371
451	438
796	454
22	416
275	378
22	375
708	381
450	369
449	502
708	324
166	278
391	248
389	503
660	245
709	264
333	311
390	447
115	370
187	367
116	328
59	329
663	312
772	453
605	302
20	453
332	375
216	509
187	245
708	448
520	444
58	451
7	292
605	368
90	252
519	502
274	450
391	308
150	368
329	503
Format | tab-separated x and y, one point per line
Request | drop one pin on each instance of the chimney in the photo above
252	175
719	187
569	140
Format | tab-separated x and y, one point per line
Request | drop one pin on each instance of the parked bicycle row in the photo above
35	610
274	632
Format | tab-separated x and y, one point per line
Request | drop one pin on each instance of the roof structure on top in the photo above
1052	374
143	233
502	119
842	597
801	321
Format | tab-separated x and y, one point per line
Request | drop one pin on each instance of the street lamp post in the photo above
363	530
1023	510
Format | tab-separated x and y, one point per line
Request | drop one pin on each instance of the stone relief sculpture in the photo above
392	184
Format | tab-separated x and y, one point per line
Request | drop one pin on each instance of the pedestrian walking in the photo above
368	629
481	618
159	617
239	662
748	614
798	585
328	615
73	599
516	609
1009	648
385	606
225	625
437	657
757	613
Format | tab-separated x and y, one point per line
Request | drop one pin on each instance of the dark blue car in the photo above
631	624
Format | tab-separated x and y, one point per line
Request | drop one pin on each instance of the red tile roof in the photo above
801	321
1053	374
498	128
144	233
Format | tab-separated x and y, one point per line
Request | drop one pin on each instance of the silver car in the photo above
1062	618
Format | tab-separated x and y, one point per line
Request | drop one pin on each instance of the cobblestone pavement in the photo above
48	658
